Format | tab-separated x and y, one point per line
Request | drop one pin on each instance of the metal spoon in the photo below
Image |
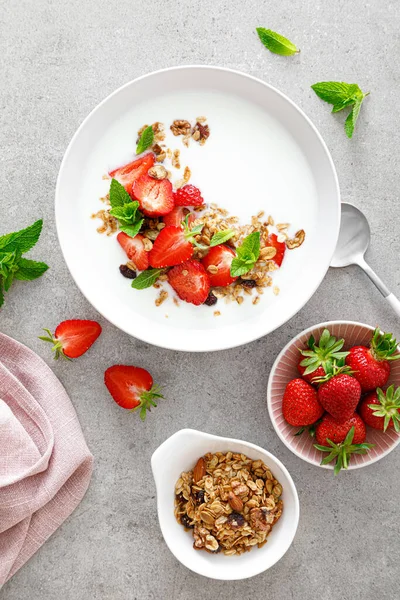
353	242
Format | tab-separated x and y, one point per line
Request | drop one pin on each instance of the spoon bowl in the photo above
354	237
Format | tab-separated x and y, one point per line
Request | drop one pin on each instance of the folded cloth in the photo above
45	464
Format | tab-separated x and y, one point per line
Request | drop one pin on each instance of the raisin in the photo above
186	522
249	283
236	520
199	497
127	272
211	300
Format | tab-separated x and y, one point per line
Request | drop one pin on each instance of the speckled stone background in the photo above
59	59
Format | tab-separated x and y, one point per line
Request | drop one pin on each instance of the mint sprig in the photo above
130	219
146	140
342	95
12	265
221	237
246	255
146	279
276	43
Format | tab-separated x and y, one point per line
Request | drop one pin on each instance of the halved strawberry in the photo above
188	195
174	245
190	281
134	249
132	388
155	197
280	247
221	257
127	174
73	338
177	216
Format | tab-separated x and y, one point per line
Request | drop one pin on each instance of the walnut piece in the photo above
180	127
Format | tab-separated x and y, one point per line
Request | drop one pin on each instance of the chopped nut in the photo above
158	172
256	300
213	269
282	226
175	159
217	313
161	298
187	174
268	252
297	240
147	244
199	470
161	157
180	127
235	502
276	290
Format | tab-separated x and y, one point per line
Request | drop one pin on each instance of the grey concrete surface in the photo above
59	59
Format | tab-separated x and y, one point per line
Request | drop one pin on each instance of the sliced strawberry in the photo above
280	247
134	249
170	248
127	174
73	338
132	388
190	281
188	195
177	216
221	257
155	197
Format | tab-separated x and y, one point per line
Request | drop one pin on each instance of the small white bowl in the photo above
285	368
179	453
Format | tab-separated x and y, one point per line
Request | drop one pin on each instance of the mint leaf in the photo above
221	237
249	250
352	117
342	95
336	92
238	267
146	279
131	230
29	269
276	43
22	240
146	140
118	194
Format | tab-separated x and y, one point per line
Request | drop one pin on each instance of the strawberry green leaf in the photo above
276	43
146	140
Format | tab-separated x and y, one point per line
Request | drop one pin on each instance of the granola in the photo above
229	501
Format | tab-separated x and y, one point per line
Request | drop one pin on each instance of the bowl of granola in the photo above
197	208
227	509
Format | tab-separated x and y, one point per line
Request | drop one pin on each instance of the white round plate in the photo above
263	153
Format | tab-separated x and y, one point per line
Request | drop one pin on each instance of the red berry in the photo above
127	174
190	281
280	248
177	216
381	409
367	370
331	429
319	372
170	248
155	196
73	338
221	257
188	195
132	388
340	395
300	404
134	249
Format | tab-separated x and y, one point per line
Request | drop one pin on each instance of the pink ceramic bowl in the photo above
285	368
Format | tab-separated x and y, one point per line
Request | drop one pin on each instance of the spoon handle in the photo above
384	290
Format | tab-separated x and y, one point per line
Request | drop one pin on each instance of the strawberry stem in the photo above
323	354
342	452
389	407
384	346
147	400
57	345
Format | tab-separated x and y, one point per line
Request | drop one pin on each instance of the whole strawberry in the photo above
300	404
381	410
339	392
330	429
319	356
342	451
371	365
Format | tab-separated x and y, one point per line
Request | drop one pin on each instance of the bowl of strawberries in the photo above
334	395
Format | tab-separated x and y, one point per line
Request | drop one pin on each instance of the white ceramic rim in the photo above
326	324
251	447
245	76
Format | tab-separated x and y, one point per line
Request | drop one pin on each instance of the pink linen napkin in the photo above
45	464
